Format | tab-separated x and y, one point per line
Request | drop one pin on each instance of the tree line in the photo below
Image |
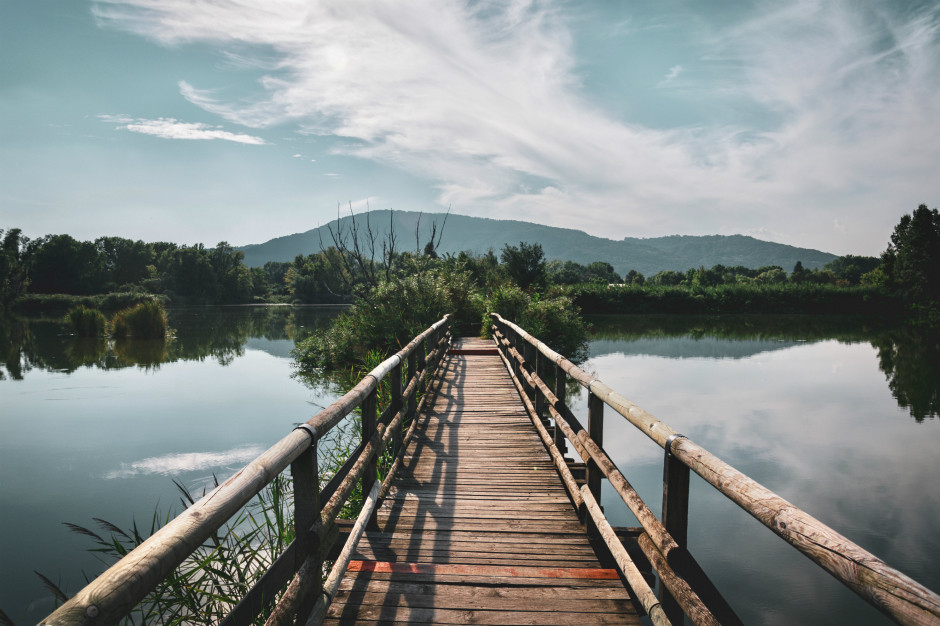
348	269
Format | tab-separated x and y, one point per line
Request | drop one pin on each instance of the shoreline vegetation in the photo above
56	273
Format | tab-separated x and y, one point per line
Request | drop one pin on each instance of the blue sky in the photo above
807	122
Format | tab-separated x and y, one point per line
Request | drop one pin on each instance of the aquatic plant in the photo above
87	322
146	320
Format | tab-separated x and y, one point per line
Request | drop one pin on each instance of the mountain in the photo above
478	234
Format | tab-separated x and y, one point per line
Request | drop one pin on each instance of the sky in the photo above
808	122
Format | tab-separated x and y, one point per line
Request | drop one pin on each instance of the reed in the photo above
211	582
146	320
87	322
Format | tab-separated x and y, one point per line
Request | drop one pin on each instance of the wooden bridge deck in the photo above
477	527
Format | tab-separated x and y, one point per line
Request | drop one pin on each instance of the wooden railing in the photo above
115	593
663	541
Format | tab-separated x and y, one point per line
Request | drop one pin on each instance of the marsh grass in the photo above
146	320
87	322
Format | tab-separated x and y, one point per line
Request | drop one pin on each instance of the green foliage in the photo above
666	278
87	322
61	303
525	264
209	583
572	273
553	320
390	315
323	277
735	298
912	261
633	277
146	320
61	264
13	268
849	269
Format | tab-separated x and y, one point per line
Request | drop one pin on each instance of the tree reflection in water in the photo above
908	355
199	333
910	359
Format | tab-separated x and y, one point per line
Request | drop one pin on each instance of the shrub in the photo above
554	320
87	322
146	320
390	315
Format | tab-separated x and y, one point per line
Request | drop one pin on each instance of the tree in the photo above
125	261
61	264
912	261
602	271
667	278
634	277
849	269
525	264
799	274
13	276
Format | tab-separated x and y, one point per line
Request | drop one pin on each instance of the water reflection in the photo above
909	356
220	333
910	359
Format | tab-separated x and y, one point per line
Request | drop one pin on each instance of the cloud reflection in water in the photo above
173	464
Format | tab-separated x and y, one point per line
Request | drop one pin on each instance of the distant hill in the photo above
478	234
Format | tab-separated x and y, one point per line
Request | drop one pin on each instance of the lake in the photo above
838	417
90	429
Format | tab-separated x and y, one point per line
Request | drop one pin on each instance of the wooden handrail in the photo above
887	589
113	594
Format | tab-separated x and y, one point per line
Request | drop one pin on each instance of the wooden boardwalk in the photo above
477	527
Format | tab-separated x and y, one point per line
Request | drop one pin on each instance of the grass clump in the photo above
87	322
146	320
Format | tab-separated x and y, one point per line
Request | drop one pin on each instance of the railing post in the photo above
560	393
306	476
528	354
675	517
596	432
413	398
368	429
539	371
395	381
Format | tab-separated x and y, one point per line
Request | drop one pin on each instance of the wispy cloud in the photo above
169	128
483	100
671	75
173	464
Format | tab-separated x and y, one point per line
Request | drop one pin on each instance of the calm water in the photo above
90	430
841	419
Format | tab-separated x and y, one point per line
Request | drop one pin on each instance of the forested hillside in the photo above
478	235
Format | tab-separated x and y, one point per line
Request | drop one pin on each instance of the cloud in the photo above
169	128
671	75
173	464
484	101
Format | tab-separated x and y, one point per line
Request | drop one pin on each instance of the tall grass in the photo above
87	322
146	320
